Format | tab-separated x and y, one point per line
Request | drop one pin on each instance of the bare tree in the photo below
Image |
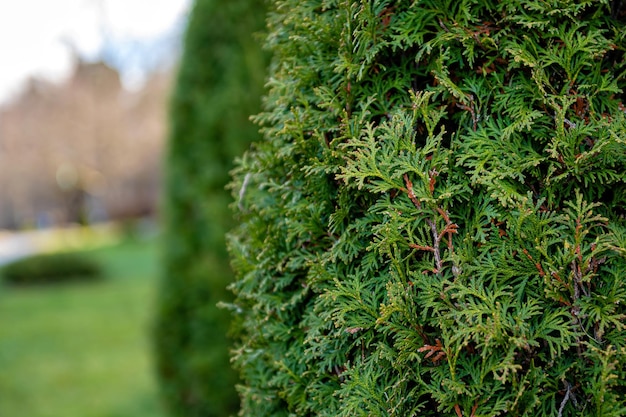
83	150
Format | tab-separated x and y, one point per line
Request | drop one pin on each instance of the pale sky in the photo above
35	34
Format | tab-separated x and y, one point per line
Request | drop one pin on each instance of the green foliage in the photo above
434	223
219	85
51	269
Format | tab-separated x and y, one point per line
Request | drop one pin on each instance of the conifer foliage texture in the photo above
219	84
434	223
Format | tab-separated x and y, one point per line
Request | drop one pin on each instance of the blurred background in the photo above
84	87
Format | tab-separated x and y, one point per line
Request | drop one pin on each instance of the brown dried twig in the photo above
448	230
435	352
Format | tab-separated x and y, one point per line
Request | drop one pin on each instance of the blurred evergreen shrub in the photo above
434	223
219	85
51	269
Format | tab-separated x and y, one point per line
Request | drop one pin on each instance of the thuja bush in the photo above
219	84
434	223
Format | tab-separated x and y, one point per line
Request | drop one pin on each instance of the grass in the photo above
82	349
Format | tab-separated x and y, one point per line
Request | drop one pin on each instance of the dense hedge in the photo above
219	85
51	268
434	223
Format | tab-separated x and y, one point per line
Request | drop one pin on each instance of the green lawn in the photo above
82	350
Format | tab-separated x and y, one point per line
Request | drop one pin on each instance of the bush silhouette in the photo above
51	268
434	223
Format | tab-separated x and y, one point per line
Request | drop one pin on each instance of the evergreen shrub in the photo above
434	223
218	87
51	269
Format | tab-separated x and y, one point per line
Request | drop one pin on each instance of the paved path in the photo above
16	245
